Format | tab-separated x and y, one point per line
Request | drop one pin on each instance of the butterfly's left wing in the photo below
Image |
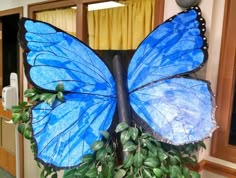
65	131
179	110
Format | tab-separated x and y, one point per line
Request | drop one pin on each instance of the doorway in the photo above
10	61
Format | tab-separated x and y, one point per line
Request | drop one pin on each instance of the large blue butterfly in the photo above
179	109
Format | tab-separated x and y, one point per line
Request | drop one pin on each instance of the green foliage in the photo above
145	156
21	115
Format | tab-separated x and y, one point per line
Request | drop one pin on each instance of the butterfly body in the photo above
173	106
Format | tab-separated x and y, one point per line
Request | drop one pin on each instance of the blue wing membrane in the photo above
179	110
175	47
53	56
64	132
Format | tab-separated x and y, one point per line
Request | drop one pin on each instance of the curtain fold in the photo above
64	19
121	28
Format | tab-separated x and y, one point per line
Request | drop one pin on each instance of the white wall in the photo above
213	13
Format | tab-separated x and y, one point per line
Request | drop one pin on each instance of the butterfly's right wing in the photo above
65	131
176	47
179	110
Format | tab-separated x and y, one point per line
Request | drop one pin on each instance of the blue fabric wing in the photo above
179	110
65	131
53	56
175	47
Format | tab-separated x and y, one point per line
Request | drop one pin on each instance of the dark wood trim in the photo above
7	114
158	12
47	5
225	87
215	168
18	10
82	26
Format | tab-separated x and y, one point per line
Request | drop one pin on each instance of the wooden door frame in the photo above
220	147
81	30
7	114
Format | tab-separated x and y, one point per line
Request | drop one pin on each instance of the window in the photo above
81	12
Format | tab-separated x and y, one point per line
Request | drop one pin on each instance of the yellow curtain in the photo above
64	19
121	28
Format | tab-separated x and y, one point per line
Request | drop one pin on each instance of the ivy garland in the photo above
145	156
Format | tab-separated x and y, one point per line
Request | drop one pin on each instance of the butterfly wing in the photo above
66	131
175	47
179	110
52	56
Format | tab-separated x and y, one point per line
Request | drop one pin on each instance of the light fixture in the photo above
103	5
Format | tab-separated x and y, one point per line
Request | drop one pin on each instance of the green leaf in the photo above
195	174
16	117
129	146
175	171
69	173
151	147
60	96
202	144
50	100
105	134
155	142
173	160
16	109
82	169
54	175
133	132
124	136
147	173
42	174
146	135
120	173
162	155
60	87
138	159
144	151
87	158
188	160
186	172
27	133
23	104
152	162
158	172
29	93
21	128
25	117
164	169
45	96
33	149
109	149
97	145
92	172
128	161
108	170
35	98
100	154
121	126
